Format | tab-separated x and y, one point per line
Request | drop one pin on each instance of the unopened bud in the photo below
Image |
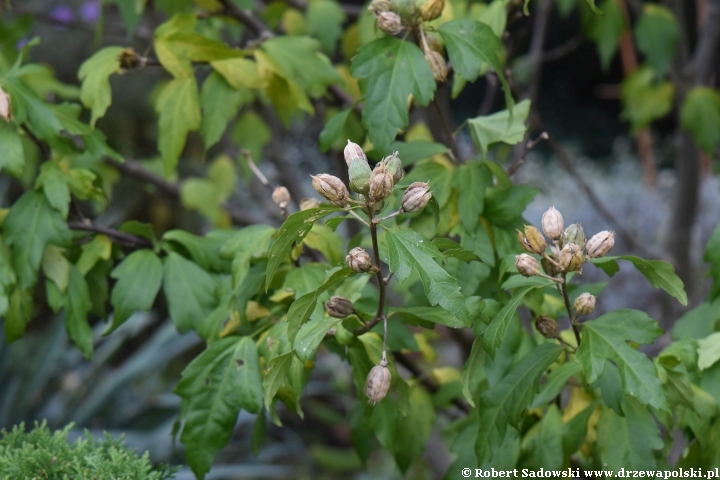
416	197
129	59
379	6
390	23
359	260
600	244
5	106
574	234
551	268
332	188
339	307
547	326
585	304
571	258
527	265
359	173
353	151
394	167
437	65
532	240
381	183
432	9
281	197
377	383
553	224
308	203
434	45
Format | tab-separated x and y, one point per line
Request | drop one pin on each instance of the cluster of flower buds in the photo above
377	382
388	21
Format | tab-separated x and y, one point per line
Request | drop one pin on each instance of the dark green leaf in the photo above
414	428
575	430
505	205
311	335
248	243
220	104
13	157
179	109
453	249
699	322
333	129
712	256
411	152
556	381
700	115
429	314
139	278
190	292
472	372
606	29
471	180
277	371
77	305
657	34
324	22
19	313
548	452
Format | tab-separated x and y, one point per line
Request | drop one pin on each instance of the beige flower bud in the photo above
394	167
332	188
5	106
432	9
377	383
359	173
379	6
585	304
359	260
339	307
437	65
574	234
434	44
281	197
390	23
352	151
416	197
308	203
553	224
547	326
532	240
549	267
381	183
571	258
600	244
527	265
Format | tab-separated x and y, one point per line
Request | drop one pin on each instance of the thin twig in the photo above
381	281
256	171
566	299
528	147
121	238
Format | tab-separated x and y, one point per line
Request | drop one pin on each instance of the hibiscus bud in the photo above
5	106
574	234
437	65
281	197
379	6
330	187
394	167
432	9
339	307
527	265
571	258
547	326
377	383
381	183
359	173
553	224
434	45
308	203
585	304
390	23
359	260
600	244
532	240
353	151
550	267
130	60
416	196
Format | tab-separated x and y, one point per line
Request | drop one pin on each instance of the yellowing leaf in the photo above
240	72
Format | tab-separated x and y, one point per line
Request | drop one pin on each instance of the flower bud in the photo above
571	258
553	224
130	60
600	244
330	187
416	196
5	106
549	267
353	151
381	183
527	265
432	9
377	383
547	326
281	197
437	65
574	234
394	167
585	304
390	23
434	45
308	203
339	307
532	240
359	173
359	260
379	6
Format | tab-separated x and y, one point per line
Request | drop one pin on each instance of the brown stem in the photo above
528	147
116	236
566	299
380	314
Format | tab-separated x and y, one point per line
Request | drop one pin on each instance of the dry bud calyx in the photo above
353	151
416	197
339	307
390	23
394	167
585	304
377	382
379	6
437	65
432	9
600	244
574	234
553	224
547	326
359	260
532	240
308	203
332	188
571	258
527	265
381	183
281	197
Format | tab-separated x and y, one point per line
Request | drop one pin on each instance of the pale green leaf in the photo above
56	267
708	351
28	108
239	72
499	127
473	372
657	34
220	103
248	243
435	314
471	180
325	19
99	248
311	335
700	115
53	181
13	156
414	428
95	74
606	29
645	101
333	129
19	313
190	292
178	107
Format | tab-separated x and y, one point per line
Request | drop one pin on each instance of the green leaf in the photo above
251	133
99	248
548	451
277	371
412	152
700	115
657	34
505	205
214	387
190	292
179	109
250	242
28	108
323	239
139	278
504	404
699	322
95	74
414	428
29	228
220	103
712	256
644	101
19	313
471	180
311	335
606	337
333	129
575	430
468	41
325	19
472	372
429	314
449	248
206	251
77	306
605	29
555	383
293	231
240	73
500	127
56	267
53	181
393	69
708	351
407	251
13	158
628	442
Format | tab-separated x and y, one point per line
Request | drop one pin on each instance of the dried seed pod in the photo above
553	224
281	197
416	197
550	268
332	188
353	151
359	173
379	6
390	23
547	326
434	45
432	9
359	260
377	382
532	240
571	258
437	65
394	167
5	106
308	203
600	244
381	183
339	307
585	304
129	59
574	234
527	265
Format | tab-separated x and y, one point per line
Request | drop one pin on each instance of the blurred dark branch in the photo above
528	147
542	18
121	238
